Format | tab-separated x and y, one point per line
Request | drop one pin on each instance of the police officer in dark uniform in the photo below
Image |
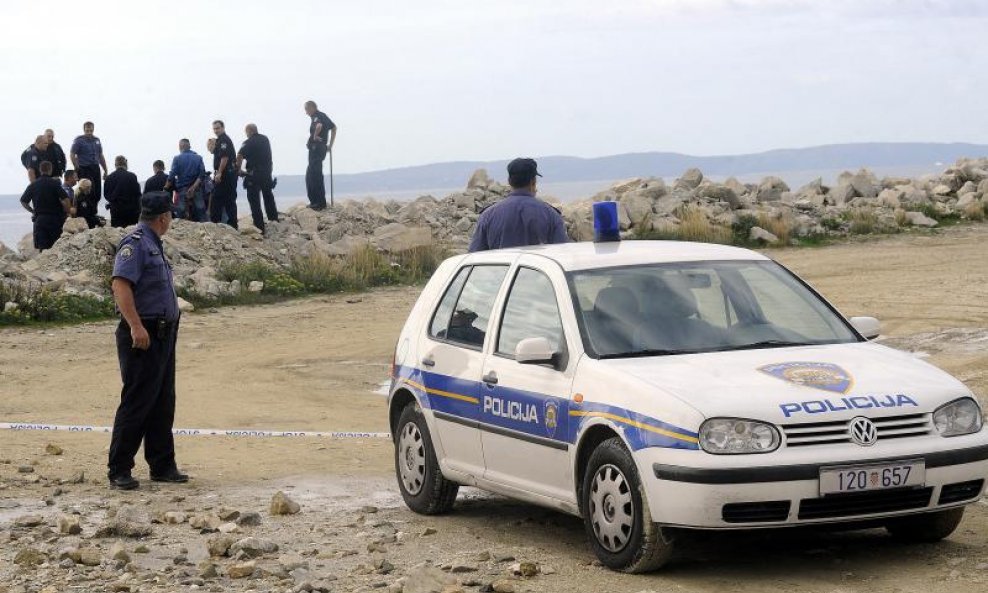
123	195
144	292
49	207
322	135
33	156
224	198
157	181
55	154
519	219
87	158
256	150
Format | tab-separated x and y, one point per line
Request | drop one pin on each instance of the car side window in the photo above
531	311
472	311
440	319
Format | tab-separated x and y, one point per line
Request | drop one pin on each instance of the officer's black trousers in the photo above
47	230
224	200
257	185
147	403
121	216
315	183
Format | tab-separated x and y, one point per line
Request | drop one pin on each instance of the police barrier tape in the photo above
204	432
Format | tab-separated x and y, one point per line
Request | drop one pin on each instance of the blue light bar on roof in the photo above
605	222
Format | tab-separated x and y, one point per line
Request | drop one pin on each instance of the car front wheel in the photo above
926	528
422	484
616	515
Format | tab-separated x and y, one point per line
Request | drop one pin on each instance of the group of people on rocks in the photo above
55	193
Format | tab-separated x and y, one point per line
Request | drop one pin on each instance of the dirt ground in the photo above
314	364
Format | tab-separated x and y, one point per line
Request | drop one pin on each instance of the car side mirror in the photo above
535	351
869	327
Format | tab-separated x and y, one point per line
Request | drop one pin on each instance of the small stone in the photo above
30	557
252	547
90	557
25	469
29	520
255	286
174	517
429	531
459	568
119	553
69	525
77	477
241	570
141	549
483	556
503	586
220	545
368	509
185	306
249	519
66	563
503	557
229	514
52	449
282	505
228	528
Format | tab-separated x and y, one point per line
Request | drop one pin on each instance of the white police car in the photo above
647	386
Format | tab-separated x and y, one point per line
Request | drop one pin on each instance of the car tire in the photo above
616	515
420	480
926	528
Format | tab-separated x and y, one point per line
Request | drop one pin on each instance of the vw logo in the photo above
863	431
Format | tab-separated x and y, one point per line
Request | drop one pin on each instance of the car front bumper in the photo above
696	489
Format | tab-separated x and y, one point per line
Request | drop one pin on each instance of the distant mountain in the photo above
909	158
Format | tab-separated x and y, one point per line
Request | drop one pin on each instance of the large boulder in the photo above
638	205
771	190
690	179
479	179
397	237
719	193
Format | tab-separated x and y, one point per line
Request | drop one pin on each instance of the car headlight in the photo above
962	416
731	436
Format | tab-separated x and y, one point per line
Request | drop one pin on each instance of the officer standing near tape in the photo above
144	292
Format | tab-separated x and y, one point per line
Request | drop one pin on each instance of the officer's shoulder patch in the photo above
126	252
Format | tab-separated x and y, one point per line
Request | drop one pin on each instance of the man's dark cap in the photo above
155	203
522	171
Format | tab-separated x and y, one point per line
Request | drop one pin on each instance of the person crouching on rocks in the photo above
84	204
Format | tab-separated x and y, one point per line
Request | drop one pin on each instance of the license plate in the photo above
880	476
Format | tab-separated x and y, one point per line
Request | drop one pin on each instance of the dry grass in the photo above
695	226
780	225
863	221
976	210
900	217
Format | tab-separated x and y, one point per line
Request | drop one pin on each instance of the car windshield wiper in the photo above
646	352
767	344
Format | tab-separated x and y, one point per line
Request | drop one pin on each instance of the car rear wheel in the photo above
422	484
616	515
926	528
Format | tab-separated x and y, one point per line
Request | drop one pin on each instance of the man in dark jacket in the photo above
157	181
55	154
122	191
49	206
33	156
256	150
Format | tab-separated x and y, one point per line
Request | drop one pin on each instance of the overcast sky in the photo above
438	80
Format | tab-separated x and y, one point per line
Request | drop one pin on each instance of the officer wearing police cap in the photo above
144	292
520	219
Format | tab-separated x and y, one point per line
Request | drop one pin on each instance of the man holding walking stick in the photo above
322	135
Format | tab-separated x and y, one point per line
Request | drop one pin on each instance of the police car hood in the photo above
799	384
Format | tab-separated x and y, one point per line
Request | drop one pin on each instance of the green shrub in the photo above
41	304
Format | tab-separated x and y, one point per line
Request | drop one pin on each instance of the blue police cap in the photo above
155	203
522	171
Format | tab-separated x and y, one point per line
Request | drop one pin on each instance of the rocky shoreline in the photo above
767	213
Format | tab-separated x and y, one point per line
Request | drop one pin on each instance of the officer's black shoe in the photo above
174	477
124	482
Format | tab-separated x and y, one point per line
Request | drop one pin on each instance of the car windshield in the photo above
692	307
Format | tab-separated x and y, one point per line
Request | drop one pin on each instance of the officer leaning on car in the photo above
144	291
520	219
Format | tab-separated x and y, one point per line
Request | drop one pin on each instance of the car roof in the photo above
587	255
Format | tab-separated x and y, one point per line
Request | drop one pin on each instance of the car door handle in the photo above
428	361
490	378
